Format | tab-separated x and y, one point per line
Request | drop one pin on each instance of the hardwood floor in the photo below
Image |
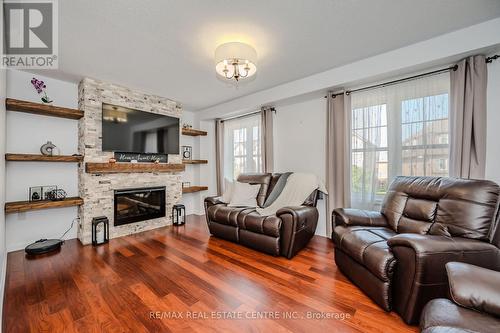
181	279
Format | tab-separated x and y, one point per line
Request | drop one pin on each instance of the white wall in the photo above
300	141
25	134
493	134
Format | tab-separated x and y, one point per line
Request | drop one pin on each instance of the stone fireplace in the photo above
98	190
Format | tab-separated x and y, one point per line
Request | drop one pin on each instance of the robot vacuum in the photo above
43	246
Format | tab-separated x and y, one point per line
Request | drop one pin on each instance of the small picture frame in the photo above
36	193
187	152
186	184
47	192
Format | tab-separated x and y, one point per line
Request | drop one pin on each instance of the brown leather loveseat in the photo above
283	234
397	256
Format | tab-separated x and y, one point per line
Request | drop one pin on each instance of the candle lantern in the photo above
178	214
100	230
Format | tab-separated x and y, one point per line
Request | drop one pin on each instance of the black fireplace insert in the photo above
139	204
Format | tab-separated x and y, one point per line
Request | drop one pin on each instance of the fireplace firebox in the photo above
140	204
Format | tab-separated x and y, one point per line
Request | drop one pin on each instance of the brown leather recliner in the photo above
283	234
398	256
476	302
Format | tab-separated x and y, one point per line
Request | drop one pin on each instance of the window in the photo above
239	150
369	151
242	146
425	136
398	130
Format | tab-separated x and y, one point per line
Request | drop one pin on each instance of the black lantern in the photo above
100	230
178	214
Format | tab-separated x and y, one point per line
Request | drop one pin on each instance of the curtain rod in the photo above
489	60
443	70
390	83
245	115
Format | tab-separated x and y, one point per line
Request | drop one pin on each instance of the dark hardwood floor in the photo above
181	279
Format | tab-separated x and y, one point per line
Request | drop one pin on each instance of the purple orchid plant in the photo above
40	88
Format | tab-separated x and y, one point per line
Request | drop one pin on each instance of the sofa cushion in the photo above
368	246
243	195
418	216
228	191
224	214
252	221
444	206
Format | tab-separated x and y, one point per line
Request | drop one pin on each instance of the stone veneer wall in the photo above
97	190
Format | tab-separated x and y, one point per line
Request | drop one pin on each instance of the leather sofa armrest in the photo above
359	217
300	214
213	201
474	287
421	274
298	226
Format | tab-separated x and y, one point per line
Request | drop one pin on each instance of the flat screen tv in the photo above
135	131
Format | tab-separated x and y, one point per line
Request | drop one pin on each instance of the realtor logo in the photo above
30	34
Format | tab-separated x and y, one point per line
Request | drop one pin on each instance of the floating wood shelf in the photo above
132	167
24	206
192	189
194	161
42	109
42	158
193	132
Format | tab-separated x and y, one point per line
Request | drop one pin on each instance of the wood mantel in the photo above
92	167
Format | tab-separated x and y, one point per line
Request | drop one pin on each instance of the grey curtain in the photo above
219	155
267	139
468	118
337	154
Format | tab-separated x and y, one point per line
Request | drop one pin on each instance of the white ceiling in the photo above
166	47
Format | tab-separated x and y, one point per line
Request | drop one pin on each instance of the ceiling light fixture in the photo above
235	61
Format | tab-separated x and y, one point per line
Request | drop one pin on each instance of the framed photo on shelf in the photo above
36	193
48	192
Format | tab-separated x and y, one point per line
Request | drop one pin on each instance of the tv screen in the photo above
134	131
